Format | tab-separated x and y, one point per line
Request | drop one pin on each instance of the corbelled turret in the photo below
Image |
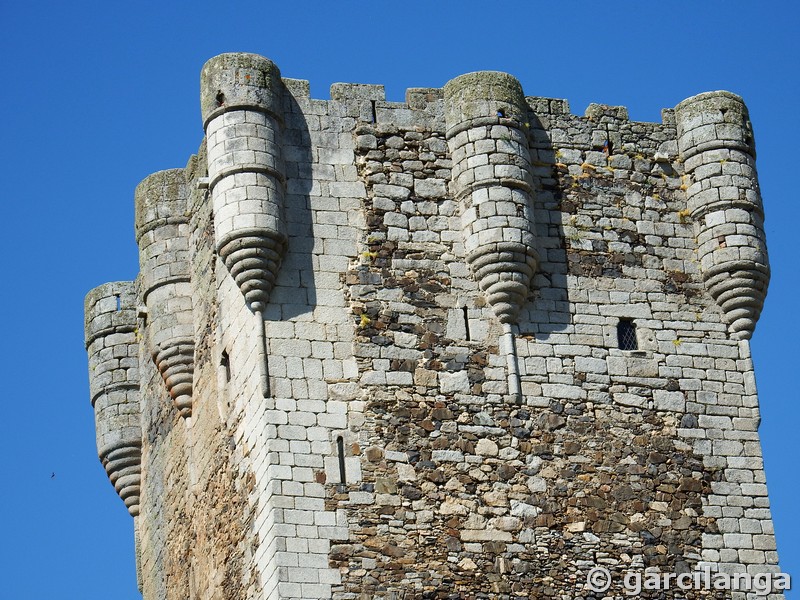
241	105
486	116
715	140
162	232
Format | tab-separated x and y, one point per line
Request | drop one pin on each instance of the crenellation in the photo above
439	392
298	88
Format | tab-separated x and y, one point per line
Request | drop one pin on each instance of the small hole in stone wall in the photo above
722	111
608	146
466	323
340	453
119	302
626	335
501	113
721	241
220	98
374	112
225	363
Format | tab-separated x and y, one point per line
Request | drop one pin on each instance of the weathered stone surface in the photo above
486	447
364	438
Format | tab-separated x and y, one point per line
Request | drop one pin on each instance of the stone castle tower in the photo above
466	346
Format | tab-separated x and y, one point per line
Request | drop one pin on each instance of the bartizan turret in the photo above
241	98
486	117
715	140
162	232
110	327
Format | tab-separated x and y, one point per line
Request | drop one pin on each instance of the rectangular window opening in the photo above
119	302
466	323
626	335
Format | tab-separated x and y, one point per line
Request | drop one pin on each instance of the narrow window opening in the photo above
225	363
721	241
626	335
340	452
119	302
466	323
501	113
374	112
608	145
220	98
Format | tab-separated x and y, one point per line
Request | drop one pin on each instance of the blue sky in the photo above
99	95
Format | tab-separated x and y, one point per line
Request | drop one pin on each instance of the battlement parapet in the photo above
232	81
714	120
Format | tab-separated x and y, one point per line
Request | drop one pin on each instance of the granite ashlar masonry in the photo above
470	345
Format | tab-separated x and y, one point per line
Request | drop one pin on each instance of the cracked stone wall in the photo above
388	455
